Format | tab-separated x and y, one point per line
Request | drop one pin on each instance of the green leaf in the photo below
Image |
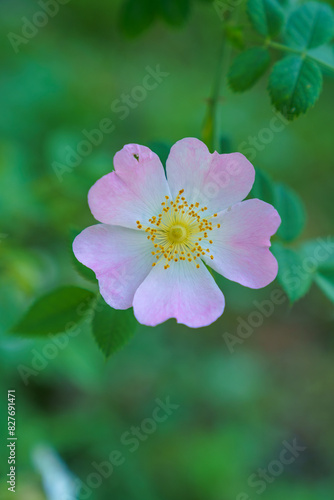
292	212
319	253
325	281
84	271
112	328
263	187
56	311
292	276
174	12
324	55
247	68
136	16
311	25
266	16
294	85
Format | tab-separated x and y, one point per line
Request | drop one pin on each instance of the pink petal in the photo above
241	245
214	180
121	259
133	192
183	292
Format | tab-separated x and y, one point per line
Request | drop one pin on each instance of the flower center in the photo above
180	232
177	234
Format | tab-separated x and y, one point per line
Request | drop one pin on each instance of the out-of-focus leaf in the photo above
292	212
137	16
208	127
84	271
293	276
325	281
311	25
247	68
174	12
53	312
263	187
319	252
112	328
266	16
294	85
161	149
225	144
324	55
235	35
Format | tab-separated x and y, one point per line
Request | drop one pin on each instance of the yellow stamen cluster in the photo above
180	232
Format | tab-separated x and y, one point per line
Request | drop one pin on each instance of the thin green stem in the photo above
284	48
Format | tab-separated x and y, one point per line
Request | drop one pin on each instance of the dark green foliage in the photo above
311	25
112	328
292	212
55	312
294	85
266	16
247	68
294	283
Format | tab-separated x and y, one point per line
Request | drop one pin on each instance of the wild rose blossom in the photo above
157	235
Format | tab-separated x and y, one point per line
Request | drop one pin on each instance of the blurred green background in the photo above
235	409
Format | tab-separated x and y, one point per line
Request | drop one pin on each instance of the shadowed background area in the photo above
177	413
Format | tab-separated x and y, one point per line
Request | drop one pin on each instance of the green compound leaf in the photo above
292	212
247	68
294	85
54	312
325	281
311	25
174	12
136	17
263	187
292	275
323	55
112	328
266	16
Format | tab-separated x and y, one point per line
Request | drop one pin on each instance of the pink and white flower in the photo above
157	235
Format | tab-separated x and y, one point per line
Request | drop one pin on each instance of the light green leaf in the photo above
323	55
294	278
294	85
266	16
325	281
292	212
112	328
263	187
311	25
56	311
319	252
247	68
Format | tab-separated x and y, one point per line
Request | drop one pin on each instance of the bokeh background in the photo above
235	410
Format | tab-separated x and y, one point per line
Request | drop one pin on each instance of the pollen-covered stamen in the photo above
180	232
